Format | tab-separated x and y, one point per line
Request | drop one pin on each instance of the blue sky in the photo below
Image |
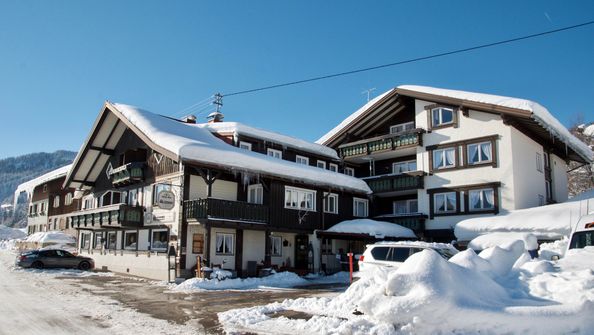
59	60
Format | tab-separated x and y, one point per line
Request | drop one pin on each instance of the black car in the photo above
53	258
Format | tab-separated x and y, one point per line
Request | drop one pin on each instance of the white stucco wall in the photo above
559	176
528	181
226	261
143	263
288	252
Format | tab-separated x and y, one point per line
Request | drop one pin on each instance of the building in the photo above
161	195
434	157
49	203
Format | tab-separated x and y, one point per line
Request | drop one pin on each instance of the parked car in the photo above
393	254
53	258
583	234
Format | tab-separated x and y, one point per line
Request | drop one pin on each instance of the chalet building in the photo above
160	195
49	203
434	157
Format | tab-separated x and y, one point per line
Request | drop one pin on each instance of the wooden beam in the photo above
105	151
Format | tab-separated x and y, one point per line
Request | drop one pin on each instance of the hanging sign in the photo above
166	199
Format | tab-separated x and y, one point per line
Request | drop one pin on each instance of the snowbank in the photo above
51	237
195	144
7	233
498	239
495	292
374	228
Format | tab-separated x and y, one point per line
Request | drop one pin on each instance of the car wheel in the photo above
37	265
84	266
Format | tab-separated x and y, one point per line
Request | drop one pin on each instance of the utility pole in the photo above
218	101
368	91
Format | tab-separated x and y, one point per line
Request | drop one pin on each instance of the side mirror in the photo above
555	258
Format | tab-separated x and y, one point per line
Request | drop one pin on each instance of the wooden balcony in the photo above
382	143
414	221
396	182
114	216
127	174
211	208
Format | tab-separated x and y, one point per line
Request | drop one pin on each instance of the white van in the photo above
583	235
393	254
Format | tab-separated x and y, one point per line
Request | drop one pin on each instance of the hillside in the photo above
16	170
581	177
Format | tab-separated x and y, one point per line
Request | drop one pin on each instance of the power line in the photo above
410	60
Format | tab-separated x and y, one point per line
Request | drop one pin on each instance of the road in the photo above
73	302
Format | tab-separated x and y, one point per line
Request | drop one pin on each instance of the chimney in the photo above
189	119
215	117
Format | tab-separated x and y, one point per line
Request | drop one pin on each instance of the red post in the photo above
350	254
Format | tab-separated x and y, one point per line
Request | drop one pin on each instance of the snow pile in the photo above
498	239
589	130
378	229
7	233
495	292
195	144
557	248
236	128
48	237
276	280
219	274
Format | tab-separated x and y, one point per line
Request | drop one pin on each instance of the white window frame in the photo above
274	153
538	162
443	153
108	240
349	171
402	126
164	248
225	237
299	194
408	206
321	164
482	201
480	159
333	167
126	245
327	197
68	199
405	163
98	244
276	246
440	110
56	201
85	241
88	202
259	189
355	207
301	160
446	210
245	145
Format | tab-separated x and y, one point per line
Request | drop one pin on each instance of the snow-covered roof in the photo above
191	142
30	185
539	113
545	222
236	128
379	229
589	130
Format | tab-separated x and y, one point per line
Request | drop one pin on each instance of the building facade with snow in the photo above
434	157
160	194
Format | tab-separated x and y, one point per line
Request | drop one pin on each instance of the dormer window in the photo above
245	145
441	116
275	153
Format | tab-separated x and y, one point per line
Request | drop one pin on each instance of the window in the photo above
360	207
479	153
88	202
547	161
276	246
133	199
85	241
399	128
245	145
442	116
256	194
56	201
321	164
42	208
98	240
275	153
44	188
130	240
302	160
68	199
479	200
159	240
406	206
444	158
538	162
349	171
400	167
298	198
333	167
445	202
224	244
158	188
330	203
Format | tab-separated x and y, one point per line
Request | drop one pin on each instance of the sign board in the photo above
166	200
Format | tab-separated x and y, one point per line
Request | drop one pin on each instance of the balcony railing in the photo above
115	216
211	208
127	174
414	221
381	143
392	183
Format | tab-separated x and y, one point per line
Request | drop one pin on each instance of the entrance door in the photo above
301	251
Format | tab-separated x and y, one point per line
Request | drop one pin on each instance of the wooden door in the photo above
301	251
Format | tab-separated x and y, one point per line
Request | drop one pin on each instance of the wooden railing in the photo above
226	210
414	221
120	215
381	143
392	183
127	174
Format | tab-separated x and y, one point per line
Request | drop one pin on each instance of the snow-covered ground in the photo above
34	302
499	291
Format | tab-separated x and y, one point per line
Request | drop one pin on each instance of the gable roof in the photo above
188	143
236	128
30	185
525	113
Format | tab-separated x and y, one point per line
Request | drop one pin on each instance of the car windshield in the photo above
445	253
582	239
